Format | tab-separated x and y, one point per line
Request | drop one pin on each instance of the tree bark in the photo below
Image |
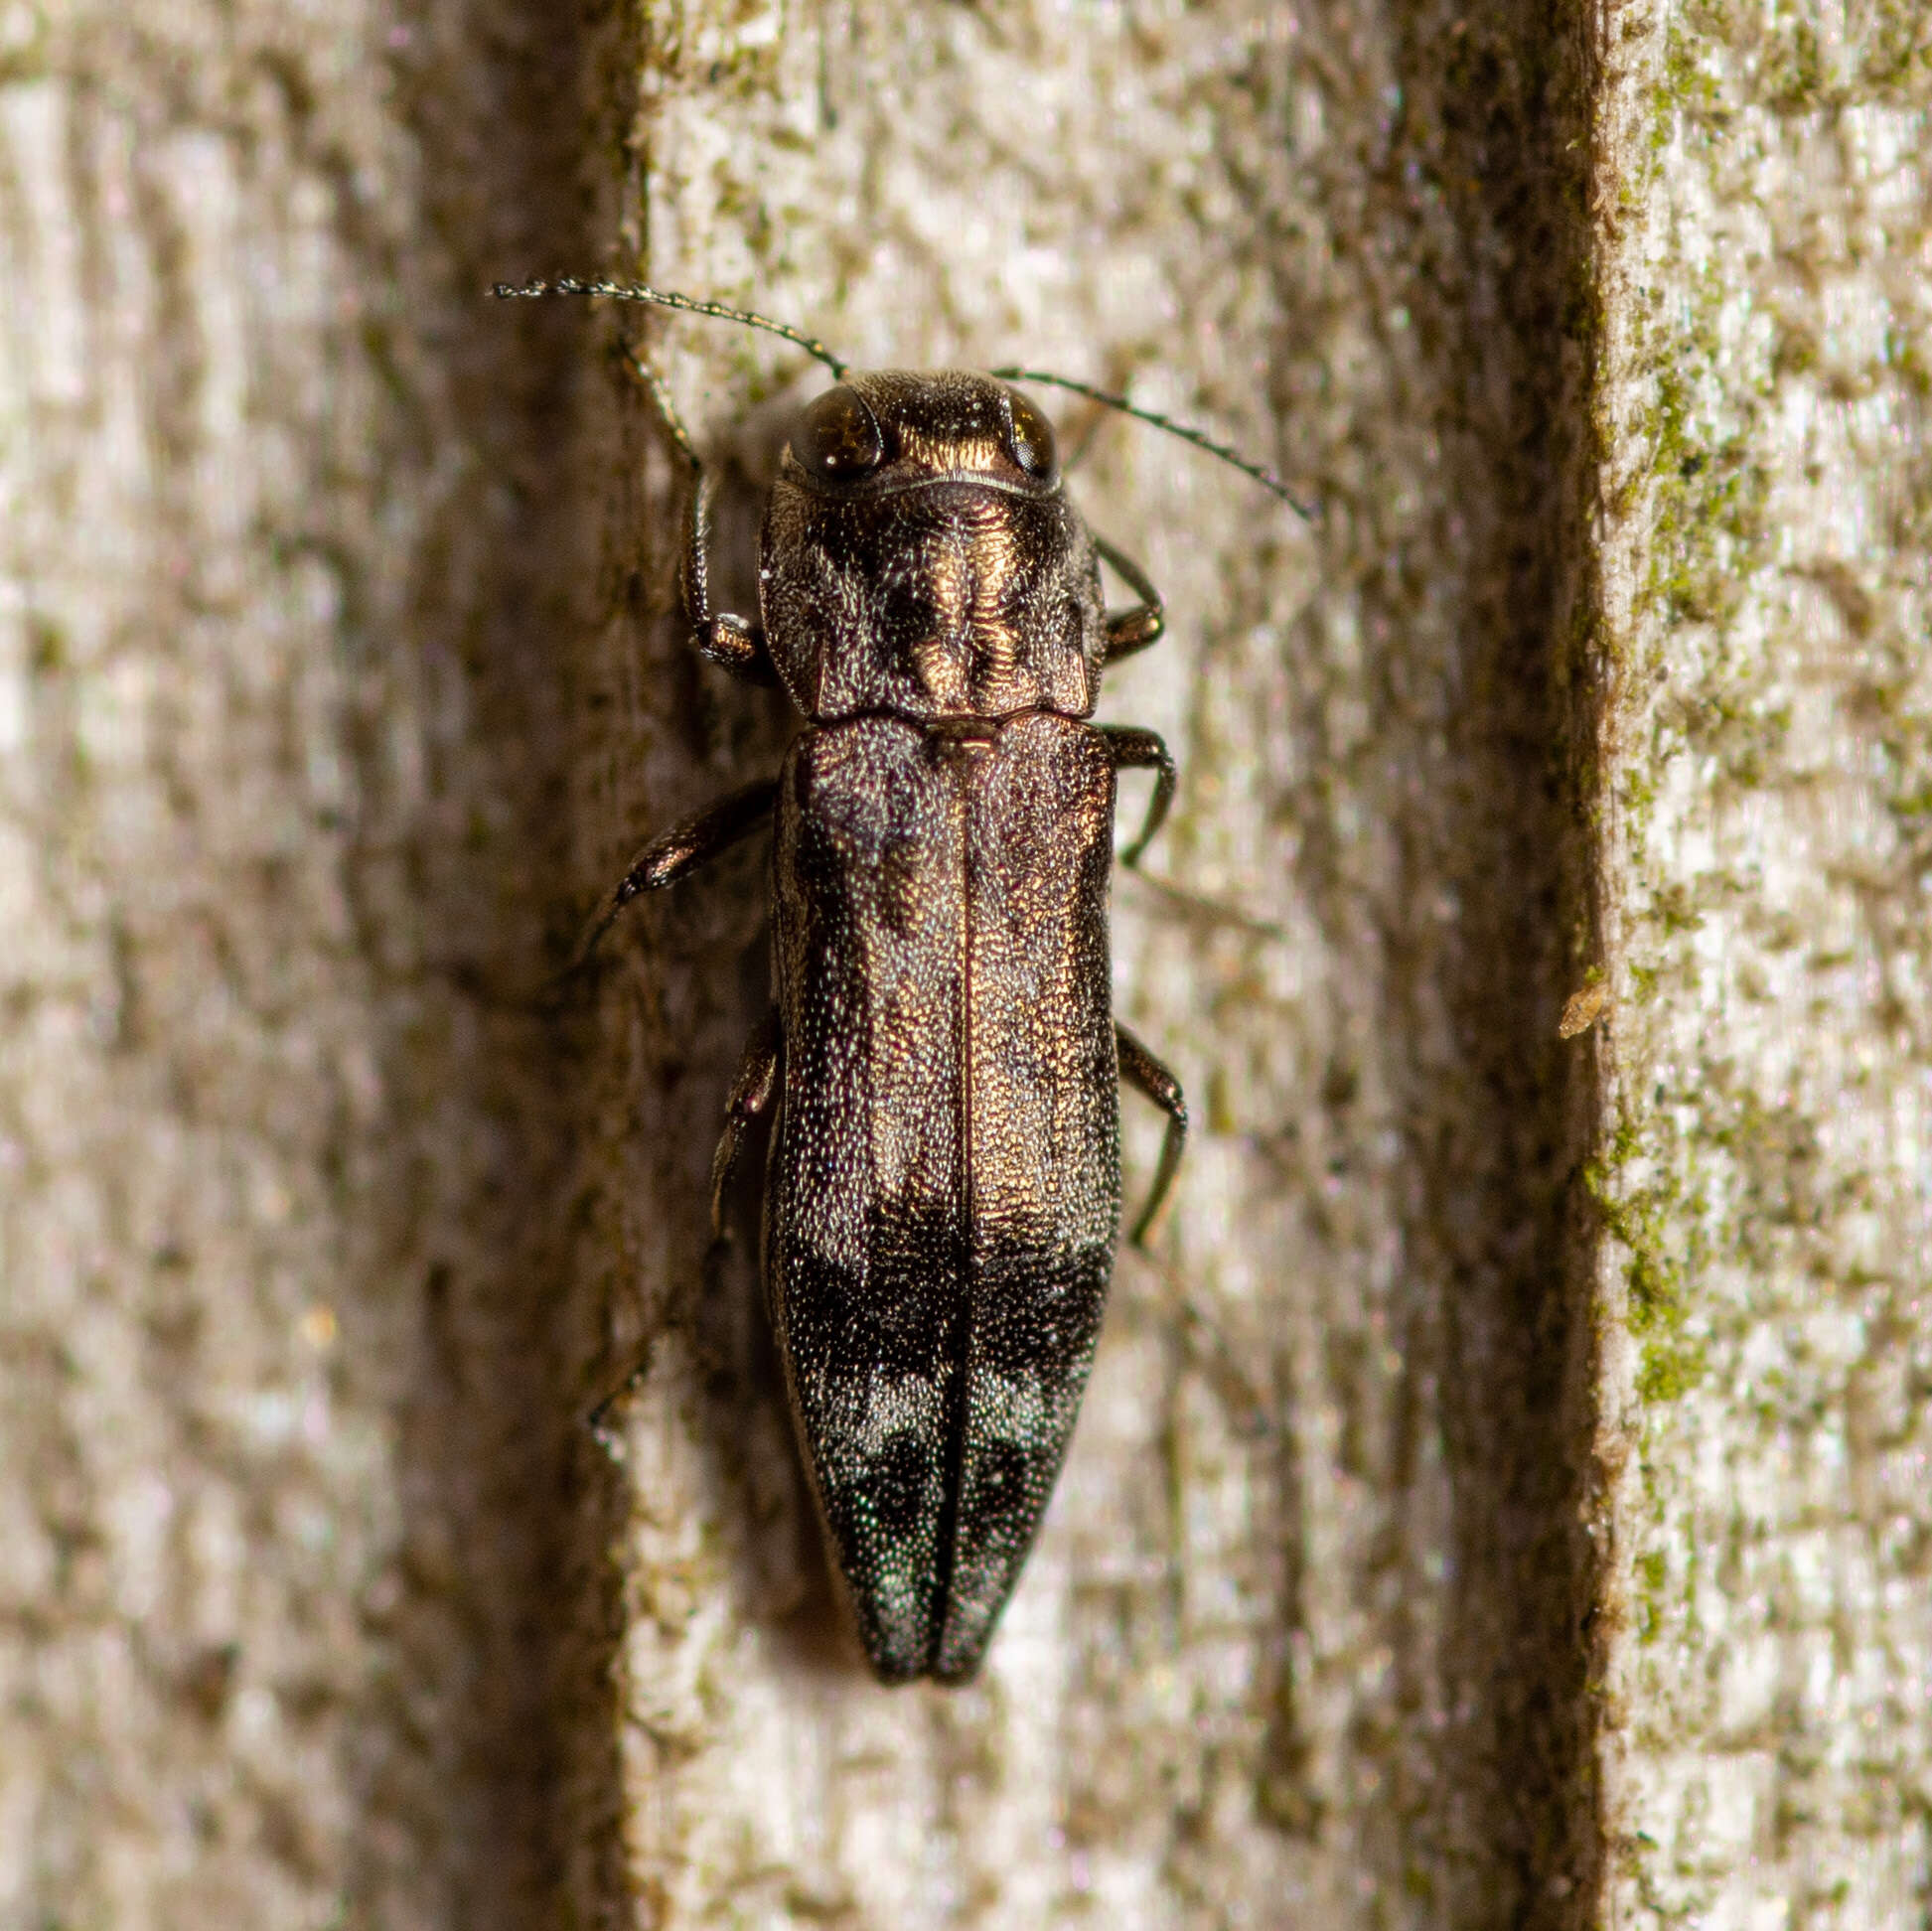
293	1574
1301	1638
1765	771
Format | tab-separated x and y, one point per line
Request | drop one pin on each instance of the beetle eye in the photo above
837	437
1032	437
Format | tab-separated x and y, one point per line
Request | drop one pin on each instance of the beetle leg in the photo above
1129	630
677	853
751	1094
1140	1069
1137	750
729	642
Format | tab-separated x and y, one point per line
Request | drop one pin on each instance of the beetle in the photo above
941	1064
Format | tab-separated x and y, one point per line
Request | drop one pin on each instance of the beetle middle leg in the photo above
1134	749
1142	1070
751	1095
676	855
731	642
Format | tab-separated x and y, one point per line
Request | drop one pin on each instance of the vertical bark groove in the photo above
1329	1479
295	1510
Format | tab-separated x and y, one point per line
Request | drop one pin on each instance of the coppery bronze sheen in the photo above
943	1191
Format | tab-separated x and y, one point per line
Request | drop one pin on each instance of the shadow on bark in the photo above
1489	266
1492	112
510	1509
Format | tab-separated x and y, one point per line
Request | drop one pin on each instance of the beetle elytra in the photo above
942	1064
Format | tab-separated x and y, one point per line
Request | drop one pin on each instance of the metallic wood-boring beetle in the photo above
943	1187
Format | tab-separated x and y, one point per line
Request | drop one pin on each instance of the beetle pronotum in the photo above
941	1064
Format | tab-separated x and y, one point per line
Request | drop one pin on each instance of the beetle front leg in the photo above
1141	1070
676	855
751	1095
731	642
1129	630
1137	750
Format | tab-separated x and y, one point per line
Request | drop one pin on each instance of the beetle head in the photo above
875	435
920	557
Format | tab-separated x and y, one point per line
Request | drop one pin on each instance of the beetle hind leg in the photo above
1142	1070
751	1096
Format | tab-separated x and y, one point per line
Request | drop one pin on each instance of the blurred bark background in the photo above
1500	1496
293	1544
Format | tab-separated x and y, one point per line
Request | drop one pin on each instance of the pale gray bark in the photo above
1766	781
290	1572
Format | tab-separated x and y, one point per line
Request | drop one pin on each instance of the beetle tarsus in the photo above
736	648
1146	1074
600	1421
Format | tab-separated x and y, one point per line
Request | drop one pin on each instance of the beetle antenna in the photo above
817	350
663	298
1185	431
